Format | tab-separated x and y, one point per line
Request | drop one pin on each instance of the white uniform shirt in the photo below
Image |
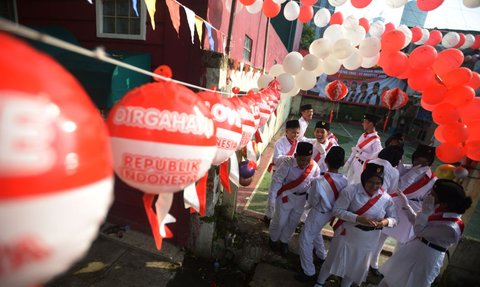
442	233
369	151
321	196
303	127
322	149
282	147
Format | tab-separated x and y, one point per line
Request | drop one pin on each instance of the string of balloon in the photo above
98	53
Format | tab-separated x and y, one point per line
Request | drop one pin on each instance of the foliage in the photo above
308	36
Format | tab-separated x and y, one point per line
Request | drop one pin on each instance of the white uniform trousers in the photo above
311	237
286	217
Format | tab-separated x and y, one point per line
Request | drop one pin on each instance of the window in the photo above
8	10
117	19
247	48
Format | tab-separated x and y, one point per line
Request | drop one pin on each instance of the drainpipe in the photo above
230	26
266	44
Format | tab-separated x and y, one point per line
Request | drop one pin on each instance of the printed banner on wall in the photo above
365	86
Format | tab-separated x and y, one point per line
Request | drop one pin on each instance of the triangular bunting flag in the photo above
190	197
151	4
199	26
211	42
191	22
174	10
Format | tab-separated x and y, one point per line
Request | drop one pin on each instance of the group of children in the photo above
375	196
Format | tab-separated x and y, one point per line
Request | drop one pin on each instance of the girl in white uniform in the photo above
437	227
363	209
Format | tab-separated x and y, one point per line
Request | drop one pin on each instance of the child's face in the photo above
363	88
303	160
307	114
366	124
292	134
372	184
421	161
320	134
375	89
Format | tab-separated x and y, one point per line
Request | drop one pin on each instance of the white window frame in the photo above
143	23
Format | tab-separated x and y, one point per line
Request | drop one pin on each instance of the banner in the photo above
365	86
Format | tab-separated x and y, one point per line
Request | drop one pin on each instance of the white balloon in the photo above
450	39
370	62
334	33
228	5
425	36
469	40
342	49
305	80
279	1
471	3
395	3
355	34
291	11
319	70
286	81
290	94
369	47
310	62
321	48
354	61
407	32
322	17
336	3
255	7
264	80
376	29
331	65
293	63
350	22
276	70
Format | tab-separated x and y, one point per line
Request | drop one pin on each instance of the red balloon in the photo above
457	77
470	112
434	94
450	152
419	80
394	99
308	2
306	14
428	5
472	150
439	133
447	60
364	23
445	113
422	57
476	44
360	3
270	8
474	81
461	42
247	2
434	38
392	40
389	27
416	34
336	90
460	95
455	133
426	106
473	131
337	18
395	63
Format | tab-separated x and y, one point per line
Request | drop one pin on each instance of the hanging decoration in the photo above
335	91
393	99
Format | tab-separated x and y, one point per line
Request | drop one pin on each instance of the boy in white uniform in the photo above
306	112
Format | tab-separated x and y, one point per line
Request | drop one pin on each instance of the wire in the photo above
98	53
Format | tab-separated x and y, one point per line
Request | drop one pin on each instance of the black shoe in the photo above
274	245
318	261
283	248
375	272
266	220
302	277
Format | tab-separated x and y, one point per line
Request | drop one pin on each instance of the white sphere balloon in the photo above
350	22
469	40
310	62
450	39
293	63
279	1
342	49
407	32
286	81
425	36
376	29
370	62
331	65
334	33
336	3
395	3
355	34
290	94
354	61
369	47
264	80
319	70
255	7
322	17
471	3
291	11
305	80
321	48
276	70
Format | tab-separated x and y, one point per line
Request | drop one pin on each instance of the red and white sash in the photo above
296	182
290	152
332	185
416	185
319	155
367	141
440	217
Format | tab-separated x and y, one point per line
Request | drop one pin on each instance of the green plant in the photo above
308	36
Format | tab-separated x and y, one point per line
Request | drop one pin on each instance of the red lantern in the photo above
393	99
335	91
56	177
428	5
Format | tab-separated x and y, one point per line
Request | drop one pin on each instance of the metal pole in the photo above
230	26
